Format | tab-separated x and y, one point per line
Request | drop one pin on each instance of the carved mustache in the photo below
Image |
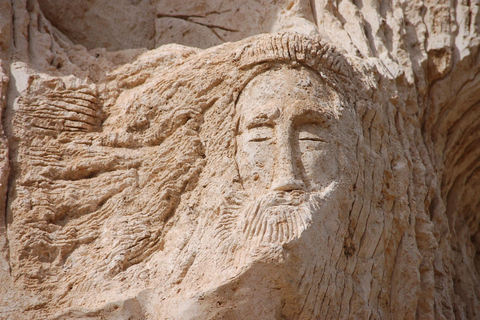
294	198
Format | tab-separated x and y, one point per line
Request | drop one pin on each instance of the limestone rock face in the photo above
239	159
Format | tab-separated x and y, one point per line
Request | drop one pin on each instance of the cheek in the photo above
320	165
255	162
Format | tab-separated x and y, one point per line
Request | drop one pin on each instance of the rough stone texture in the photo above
239	159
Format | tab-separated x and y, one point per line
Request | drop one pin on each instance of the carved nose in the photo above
285	178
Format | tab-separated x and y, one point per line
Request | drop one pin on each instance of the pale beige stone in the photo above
239	160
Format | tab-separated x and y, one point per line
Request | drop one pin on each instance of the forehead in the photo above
287	89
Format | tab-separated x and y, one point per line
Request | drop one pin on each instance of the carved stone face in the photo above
287	153
285	139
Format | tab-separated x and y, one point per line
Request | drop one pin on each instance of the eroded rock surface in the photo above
239	160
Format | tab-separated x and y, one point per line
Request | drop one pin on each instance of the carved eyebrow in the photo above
313	117
260	122
264	119
308	136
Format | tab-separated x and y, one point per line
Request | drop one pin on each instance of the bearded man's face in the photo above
286	156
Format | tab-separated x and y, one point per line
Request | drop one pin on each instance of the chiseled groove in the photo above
470	118
462	164
450	107
318	291
74	106
329	279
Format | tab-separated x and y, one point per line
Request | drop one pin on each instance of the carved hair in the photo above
179	98
182	92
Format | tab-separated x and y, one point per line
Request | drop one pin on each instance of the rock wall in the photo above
239	159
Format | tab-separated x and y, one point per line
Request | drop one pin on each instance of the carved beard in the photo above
275	218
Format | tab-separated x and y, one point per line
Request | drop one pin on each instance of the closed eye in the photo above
311	132
258	139
309	136
312	139
259	134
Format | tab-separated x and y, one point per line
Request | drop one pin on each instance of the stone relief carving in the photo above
326	171
285	136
